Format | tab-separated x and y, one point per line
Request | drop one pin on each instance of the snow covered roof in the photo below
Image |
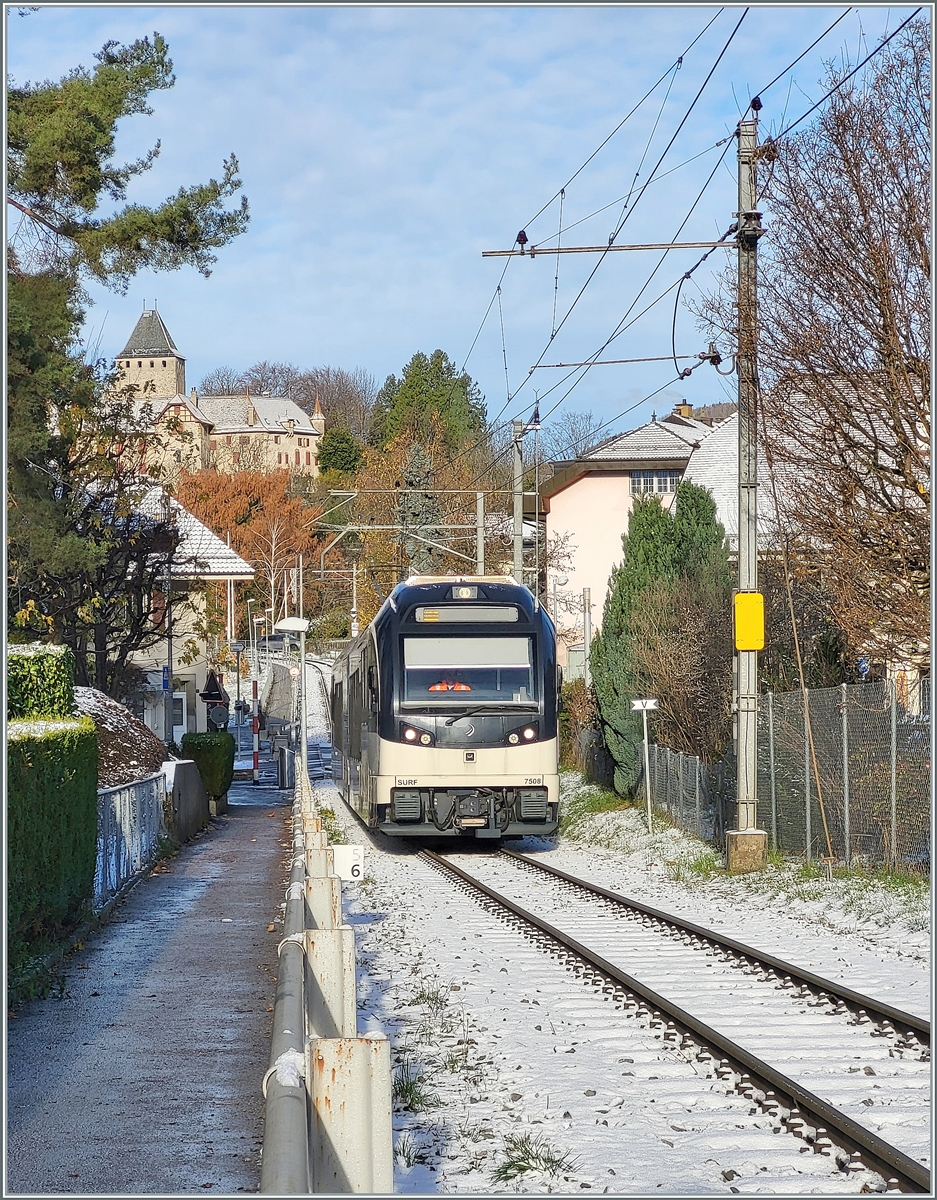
201	554
672	438
229	413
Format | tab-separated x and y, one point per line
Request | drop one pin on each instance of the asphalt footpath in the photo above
145	1077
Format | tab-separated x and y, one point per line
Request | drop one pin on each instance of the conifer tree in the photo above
430	392
666	632
83	561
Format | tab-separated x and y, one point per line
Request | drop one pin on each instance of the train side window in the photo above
372	689
337	707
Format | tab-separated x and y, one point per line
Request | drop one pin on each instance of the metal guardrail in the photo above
328	1126
130	822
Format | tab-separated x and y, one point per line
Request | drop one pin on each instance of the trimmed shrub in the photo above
52	823
213	754
40	679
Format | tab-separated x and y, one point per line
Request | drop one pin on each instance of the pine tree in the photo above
83	562
665	632
430	392
418	514
338	451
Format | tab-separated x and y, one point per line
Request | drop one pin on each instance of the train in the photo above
444	712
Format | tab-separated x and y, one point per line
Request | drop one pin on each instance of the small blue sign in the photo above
863	667
165	679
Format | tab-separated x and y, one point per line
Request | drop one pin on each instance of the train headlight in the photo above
529	734
514	738
416	737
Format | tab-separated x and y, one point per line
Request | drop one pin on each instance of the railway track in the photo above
733	1008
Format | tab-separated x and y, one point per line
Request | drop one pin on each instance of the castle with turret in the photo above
229	433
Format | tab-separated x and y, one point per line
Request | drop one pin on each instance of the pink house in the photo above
588	501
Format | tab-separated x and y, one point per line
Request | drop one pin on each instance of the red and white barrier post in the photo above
255	725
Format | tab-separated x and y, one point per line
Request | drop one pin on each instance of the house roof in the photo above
664	444
673	437
201	553
273	413
150	336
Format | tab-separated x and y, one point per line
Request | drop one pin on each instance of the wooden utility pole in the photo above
747	844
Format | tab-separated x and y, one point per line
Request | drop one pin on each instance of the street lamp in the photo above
237	647
269	631
250	627
644	707
299	625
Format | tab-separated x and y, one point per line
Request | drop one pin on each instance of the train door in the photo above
338	734
354	709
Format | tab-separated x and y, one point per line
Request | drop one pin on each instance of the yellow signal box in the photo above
749	621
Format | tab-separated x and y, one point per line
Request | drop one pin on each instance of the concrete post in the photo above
847	838
323	902
587	636
331	1004
518	440
771	773
316	840
479	533
320	862
350	1092
893	706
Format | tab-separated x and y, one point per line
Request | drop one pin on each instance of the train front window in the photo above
453	670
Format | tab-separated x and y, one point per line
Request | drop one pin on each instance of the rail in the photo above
130	823
877	1010
880	1155
328	1092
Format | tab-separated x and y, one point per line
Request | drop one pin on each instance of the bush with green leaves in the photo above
213	754
52	822
40	681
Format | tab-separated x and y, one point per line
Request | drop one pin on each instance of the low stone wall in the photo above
187	806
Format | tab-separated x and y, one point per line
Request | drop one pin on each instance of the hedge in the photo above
213	754
40	681
52	822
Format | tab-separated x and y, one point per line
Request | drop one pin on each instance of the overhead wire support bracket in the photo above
532	251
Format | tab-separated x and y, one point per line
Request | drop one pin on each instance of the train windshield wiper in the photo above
494	712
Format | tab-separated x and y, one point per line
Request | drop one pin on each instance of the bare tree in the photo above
844	321
569	436
223	381
346	397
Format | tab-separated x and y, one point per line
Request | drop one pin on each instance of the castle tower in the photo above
150	359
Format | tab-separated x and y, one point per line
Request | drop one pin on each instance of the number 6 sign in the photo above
349	862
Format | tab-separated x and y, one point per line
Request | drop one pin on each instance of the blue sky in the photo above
383	148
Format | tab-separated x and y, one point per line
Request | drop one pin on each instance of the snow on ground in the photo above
512	1076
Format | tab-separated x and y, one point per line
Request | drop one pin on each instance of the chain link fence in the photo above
845	775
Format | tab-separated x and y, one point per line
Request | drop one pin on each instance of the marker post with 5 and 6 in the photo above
644	707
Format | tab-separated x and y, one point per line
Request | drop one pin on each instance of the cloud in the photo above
383	148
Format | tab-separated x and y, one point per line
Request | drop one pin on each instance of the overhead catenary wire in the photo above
644	187
833	90
624	119
492	426
647	147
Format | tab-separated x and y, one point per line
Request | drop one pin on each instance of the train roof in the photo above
436	589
